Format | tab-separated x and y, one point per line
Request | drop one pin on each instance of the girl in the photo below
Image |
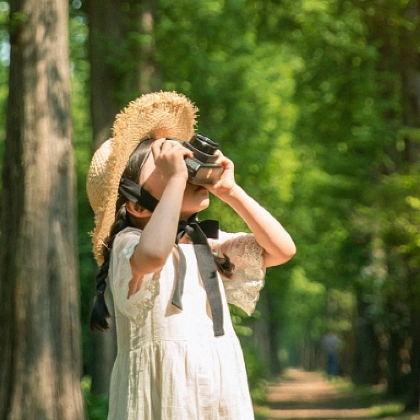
178	355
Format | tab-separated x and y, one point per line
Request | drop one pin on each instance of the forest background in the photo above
318	104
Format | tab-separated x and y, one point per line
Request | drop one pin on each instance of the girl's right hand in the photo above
169	159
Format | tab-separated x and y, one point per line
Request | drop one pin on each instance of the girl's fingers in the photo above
167	150
157	146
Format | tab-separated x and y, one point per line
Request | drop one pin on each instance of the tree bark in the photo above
40	367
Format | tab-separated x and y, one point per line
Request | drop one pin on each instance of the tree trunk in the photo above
104	350
106	57
367	370
273	336
121	47
395	383
413	379
40	366
409	65
121	51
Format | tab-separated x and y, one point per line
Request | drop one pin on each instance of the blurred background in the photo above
318	104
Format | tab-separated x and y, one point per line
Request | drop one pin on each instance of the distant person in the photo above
331	344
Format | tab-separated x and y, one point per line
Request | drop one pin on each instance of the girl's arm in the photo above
269	233
159	232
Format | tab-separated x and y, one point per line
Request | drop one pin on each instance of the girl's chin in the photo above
203	204
191	208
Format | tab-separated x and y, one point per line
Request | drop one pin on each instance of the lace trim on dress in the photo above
243	289
137	306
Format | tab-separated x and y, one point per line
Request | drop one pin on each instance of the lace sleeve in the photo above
138	305
243	289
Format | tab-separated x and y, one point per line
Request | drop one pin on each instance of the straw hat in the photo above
153	115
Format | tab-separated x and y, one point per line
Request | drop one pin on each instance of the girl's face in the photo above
196	198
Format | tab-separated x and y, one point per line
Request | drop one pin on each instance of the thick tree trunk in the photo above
40	366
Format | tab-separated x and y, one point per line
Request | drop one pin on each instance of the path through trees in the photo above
308	395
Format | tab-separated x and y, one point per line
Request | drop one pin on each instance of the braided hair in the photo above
100	313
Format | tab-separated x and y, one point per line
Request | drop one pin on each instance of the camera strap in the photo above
133	192
194	229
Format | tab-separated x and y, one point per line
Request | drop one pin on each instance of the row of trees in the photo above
318	104
359	97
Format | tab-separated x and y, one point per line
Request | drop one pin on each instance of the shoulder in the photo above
126	238
235	244
129	232
232	238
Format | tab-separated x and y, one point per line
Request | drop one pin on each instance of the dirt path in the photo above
308	395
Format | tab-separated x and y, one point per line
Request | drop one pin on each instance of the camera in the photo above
201	167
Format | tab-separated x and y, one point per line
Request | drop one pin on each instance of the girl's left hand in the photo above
226	183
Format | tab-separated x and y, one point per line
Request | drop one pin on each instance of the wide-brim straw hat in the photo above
153	115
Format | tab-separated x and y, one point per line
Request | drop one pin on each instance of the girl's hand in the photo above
169	159
225	185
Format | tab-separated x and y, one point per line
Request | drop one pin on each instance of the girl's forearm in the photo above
269	233
158	236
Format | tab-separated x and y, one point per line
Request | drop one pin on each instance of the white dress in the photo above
170	366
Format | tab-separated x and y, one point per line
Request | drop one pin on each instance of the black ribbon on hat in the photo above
198	231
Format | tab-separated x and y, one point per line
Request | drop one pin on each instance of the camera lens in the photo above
204	144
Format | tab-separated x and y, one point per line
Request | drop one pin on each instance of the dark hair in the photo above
100	313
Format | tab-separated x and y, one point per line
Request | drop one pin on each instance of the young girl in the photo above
178	355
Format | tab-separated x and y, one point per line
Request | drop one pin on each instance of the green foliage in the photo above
305	307
356	195
257	372
255	368
96	405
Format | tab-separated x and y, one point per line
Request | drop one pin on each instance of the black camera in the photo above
201	167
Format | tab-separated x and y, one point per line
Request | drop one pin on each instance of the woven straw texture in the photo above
153	115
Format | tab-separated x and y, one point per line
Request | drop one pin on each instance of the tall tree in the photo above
121	43
121	47
40	366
